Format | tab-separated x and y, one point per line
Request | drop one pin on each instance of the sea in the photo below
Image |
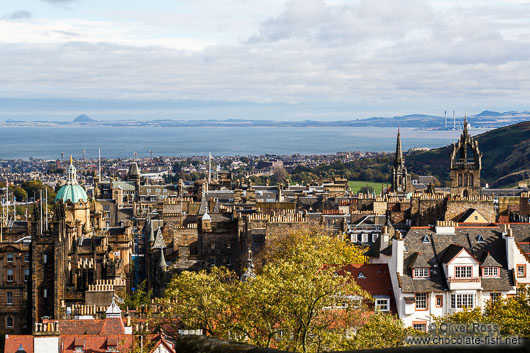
122	142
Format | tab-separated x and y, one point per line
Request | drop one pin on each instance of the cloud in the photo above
18	15
60	1
377	55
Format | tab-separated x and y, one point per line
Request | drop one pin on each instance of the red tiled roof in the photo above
376	280
90	327
13	342
96	343
113	326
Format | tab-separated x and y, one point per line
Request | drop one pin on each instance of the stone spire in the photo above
249	272
398	159
162	260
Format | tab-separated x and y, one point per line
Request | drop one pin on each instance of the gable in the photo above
463	257
472	216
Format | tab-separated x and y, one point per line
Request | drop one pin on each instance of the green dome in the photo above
73	193
72	190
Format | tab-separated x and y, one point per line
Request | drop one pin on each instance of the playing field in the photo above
356	186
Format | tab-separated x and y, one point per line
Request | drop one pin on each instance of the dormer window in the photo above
425	239
490	271
463	271
361	275
480	239
421	272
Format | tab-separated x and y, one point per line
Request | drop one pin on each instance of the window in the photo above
26	257
421	301
364	238
9	298
212	245
490	272
78	349
494	296
521	271
45	292
462	300
212	261
463	271
374	237
158	190
10	275
9	321
421	272
439	301
26	275
45	258
228	245
382	304
420	326
148	190
228	262
9	257
354	238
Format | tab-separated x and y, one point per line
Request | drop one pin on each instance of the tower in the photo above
401	182
466	162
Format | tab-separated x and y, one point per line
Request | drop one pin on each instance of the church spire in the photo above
398	159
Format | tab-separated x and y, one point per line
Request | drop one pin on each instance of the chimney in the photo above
398	247
510	246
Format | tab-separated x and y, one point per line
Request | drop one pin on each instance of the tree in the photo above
294	302
139	298
382	330
32	188
279	175
19	193
511	314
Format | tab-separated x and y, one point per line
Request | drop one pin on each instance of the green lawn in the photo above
356	185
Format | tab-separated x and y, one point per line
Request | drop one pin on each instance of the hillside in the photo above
505	156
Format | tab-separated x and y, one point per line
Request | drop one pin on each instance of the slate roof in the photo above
444	248
488	260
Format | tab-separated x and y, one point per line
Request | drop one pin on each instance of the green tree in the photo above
292	302
511	314
139	298
19	193
32	188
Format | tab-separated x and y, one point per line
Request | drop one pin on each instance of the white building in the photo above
440	270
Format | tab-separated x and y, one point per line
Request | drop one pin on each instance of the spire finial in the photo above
71	160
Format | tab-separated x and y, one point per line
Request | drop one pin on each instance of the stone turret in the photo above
466	163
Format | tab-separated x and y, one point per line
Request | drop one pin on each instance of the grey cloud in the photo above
372	53
60	2
18	15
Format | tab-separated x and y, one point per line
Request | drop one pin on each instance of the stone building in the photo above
401	180
73	252
466	162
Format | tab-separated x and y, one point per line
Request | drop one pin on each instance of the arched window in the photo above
465	180
471	179
459	179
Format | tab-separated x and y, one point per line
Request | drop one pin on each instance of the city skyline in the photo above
284	60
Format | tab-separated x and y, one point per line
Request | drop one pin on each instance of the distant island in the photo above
484	120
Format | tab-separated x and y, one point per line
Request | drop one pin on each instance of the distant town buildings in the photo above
67	264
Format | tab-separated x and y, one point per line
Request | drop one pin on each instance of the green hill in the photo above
505	157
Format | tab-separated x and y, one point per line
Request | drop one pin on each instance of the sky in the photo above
261	59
